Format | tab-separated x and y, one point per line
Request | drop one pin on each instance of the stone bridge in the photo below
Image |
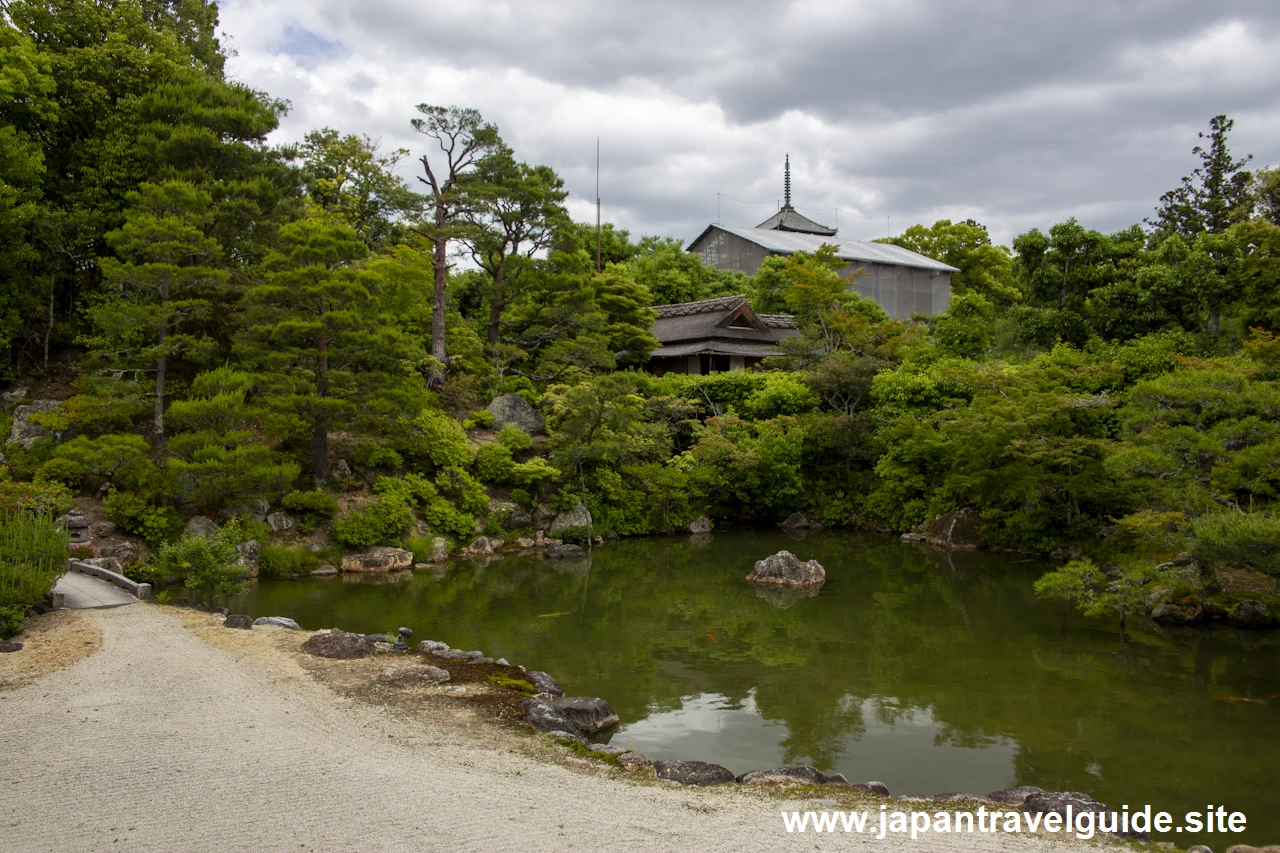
87	586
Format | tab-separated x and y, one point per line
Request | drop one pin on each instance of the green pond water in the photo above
929	671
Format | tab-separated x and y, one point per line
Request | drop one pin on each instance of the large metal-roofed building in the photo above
901	281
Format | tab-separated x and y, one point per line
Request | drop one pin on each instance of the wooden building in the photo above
902	282
715	335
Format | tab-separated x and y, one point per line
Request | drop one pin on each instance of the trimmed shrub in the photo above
370	455
494	463
61	472
108	459
433	439
137	515
312	506
515	439
1238	539
481	418
384	523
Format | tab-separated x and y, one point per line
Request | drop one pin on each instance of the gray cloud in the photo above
1017	114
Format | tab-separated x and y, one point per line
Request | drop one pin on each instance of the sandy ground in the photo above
180	735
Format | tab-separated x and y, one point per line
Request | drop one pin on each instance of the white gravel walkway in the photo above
163	742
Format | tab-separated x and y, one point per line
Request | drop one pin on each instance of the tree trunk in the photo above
1215	314
319	451
440	262
495	304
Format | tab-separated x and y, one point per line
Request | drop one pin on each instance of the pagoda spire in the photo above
786	183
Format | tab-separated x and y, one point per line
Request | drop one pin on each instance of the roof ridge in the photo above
700	306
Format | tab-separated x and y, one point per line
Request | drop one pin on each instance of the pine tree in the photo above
1215	196
321	336
159	283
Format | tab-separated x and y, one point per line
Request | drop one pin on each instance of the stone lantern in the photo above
77	523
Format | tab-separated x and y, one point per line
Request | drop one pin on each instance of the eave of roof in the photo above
715	348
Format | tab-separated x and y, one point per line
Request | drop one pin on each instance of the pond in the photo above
927	670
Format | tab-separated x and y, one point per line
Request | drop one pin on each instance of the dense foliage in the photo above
226	322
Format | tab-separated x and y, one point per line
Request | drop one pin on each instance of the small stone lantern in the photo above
77	524
400	644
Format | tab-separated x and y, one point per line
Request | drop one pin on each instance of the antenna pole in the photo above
597	204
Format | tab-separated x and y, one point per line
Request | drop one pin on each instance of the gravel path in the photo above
161	741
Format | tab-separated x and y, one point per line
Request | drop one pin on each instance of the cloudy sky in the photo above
1018	114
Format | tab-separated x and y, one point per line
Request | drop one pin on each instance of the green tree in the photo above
515	212
673	275
158	287
326	347
349	176
1217	193
1267	194
985	269
464	139
208	565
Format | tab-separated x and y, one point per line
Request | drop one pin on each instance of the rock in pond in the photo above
795	521
544	683
1251	614
786	569
514	409
378	561
412	675
439	549
693	772
278	621
545	717
701	524
325	571
1014	796
238	620
958	531
576	520
338	645
1056	802
791	772
561	552
588	715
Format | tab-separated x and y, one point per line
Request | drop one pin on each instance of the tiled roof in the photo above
788	219
707	325
702	306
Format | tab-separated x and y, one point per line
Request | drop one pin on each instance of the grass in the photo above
33	555
517	684
583	750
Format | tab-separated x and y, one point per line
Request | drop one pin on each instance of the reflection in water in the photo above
927	670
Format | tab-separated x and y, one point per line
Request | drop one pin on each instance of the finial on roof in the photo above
786	183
